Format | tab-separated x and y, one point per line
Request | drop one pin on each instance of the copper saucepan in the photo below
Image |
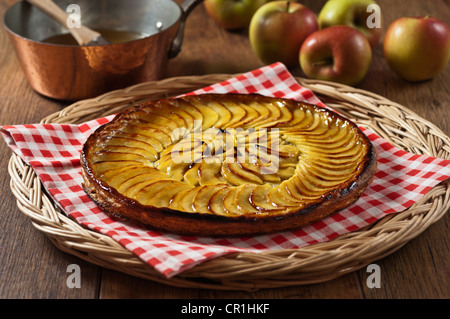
73	72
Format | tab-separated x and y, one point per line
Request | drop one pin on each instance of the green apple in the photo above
417	48
233	14
340	54
278	29
364	15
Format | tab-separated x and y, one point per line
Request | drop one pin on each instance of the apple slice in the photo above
180	116
243	199
209	173
298	116
246	175
187	107
224	113
143	124
236	175
105	168
216	201
278	196
132	185
160	193
202	199
286	193
238	114
139	147
229	202
174	170
129	169
135	178
250	116
175	201
272	113
157	116
147	153
109	156
259	198
162	136
192	174
209	116
186	202
147	140
307	119
288	150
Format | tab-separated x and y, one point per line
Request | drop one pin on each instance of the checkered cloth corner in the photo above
53	151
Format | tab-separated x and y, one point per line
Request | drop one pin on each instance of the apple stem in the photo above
287	6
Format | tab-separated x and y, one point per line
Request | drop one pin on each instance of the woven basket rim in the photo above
250	271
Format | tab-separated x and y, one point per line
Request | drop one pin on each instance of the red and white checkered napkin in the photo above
53	150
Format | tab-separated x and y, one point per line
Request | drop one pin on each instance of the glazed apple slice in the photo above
114	171
175	201
162	136
192	174
209	173
236	175
238	114
186	202
209	116
259	198
136	146
148	153
146	140
250	115
104	168
243	199
109	156
278	196
136	177
201	201
216	201
173	169
180	116
143	124
298	116
247	176
159	193
132	185
224	113
187	107
275	114
229	202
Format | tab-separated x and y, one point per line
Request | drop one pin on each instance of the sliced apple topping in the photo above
227	155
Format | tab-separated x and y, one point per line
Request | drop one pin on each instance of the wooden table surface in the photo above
31	267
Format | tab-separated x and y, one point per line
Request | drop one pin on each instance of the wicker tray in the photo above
249	271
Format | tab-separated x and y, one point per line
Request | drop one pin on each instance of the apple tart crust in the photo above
226	164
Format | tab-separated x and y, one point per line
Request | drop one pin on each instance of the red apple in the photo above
339	54
278	29
364	15
417	48
232	14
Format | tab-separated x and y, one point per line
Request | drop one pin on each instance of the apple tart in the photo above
226	164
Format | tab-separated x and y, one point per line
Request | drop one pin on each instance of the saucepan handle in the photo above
187	6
